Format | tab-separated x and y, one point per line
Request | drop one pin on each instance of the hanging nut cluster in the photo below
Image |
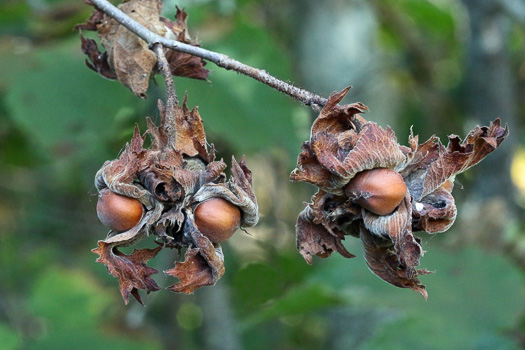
373	188
176	191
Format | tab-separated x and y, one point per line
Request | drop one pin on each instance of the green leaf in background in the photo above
474	297
436	19
297	301
69	299
70	115
247	114
9	338
66	109
257	283
73	306
14	16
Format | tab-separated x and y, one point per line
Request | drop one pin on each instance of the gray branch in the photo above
171	100
221	60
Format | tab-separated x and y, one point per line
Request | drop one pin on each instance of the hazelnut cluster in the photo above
176	191
372	188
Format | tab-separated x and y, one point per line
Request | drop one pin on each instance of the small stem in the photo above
171	96
221	60
166	71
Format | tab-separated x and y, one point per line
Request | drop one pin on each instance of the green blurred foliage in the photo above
239	111
59	122
74	310
10	339
474	297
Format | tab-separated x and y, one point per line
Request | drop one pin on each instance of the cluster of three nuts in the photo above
377	190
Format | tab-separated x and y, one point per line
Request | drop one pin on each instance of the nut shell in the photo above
117	212
377	190
217	219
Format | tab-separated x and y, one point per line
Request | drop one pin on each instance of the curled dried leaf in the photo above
202	266
435	213
183	64
131	270
317	234
430	165
97	61
383	261
128	58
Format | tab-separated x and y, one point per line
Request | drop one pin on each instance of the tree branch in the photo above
221	60
171	96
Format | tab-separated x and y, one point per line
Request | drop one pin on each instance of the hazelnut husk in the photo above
377	190
217	219
119	213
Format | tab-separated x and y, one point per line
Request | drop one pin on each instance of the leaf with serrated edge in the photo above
131	270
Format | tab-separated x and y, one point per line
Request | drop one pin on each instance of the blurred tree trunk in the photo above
335	47
219	328
491	90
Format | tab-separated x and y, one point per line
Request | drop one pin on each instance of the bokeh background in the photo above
441	66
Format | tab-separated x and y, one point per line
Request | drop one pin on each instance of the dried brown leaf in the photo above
97	61
182	64
383	260
202	266
128	55
398	228
129	58
316	234
435	213
435	164
189	132
309	170
186	65
193	273
130	270
335	119
96	18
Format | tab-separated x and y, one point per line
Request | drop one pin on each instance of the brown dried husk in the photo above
170	179
342	144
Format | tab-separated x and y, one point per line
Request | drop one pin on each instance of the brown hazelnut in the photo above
217	219
384	188
117	212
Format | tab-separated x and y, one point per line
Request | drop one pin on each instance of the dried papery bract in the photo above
170	179
344	146
128	58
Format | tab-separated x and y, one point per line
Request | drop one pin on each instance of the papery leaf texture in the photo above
171	178
343	144
128	58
